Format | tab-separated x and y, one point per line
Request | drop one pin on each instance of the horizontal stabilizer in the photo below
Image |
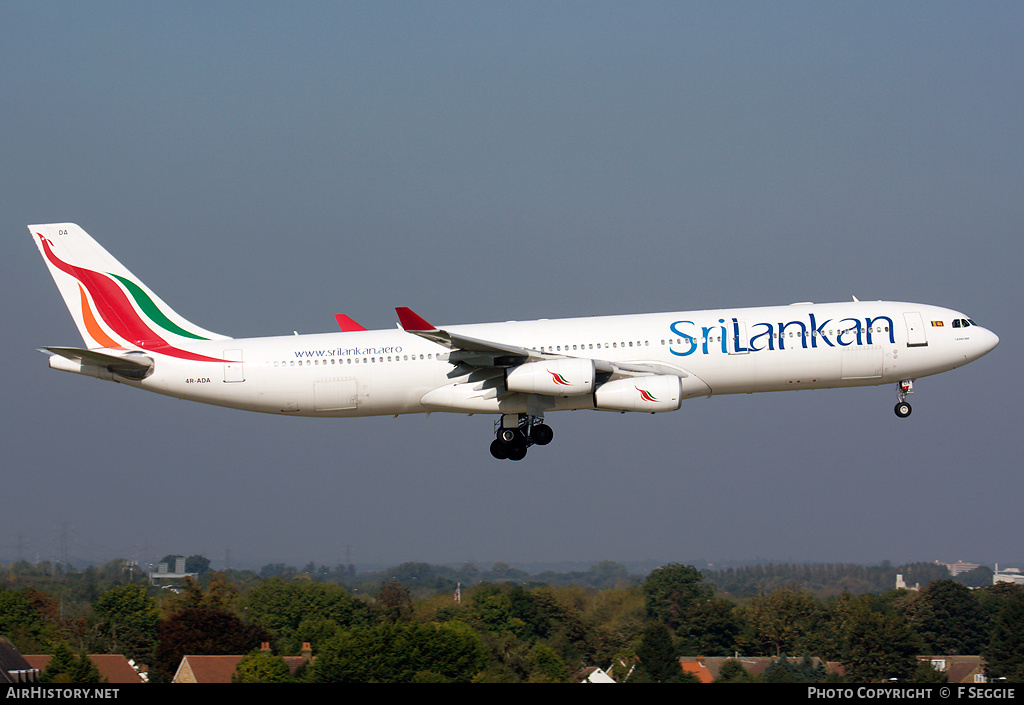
133	365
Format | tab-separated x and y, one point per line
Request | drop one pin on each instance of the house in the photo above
206	669
220	669
697	667
113	668
13	666
593	674
707	669
958	669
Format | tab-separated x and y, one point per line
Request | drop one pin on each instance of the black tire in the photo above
499	449
517	452
542	434
903	409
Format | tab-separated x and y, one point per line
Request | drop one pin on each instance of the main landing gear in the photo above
514	433
904	388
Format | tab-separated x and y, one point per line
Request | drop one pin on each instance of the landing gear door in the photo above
916	337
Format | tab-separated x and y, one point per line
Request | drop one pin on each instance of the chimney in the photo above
265	647
306	653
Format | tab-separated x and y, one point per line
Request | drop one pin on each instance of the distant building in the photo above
1009	575
959	567
163	572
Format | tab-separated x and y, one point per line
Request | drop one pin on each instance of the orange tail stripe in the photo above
97	333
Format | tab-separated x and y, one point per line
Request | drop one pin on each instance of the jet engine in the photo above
651	393
563	377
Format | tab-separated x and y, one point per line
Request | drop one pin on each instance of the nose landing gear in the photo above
514	433
904	388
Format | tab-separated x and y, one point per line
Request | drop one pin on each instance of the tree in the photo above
394	603
732	671
658	659
261	667
197	564
126	621
880	646
401	653
296	612
547	666
712	629
65	666
204	631
1004	655
671	593
949	619
22	622
781	619
784	670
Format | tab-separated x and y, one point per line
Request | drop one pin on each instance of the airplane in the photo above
517	370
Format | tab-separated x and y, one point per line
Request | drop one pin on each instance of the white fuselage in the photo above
730	351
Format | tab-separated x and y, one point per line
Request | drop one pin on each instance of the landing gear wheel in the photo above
515	433
903	409
511	435
517	452
542	434
499	449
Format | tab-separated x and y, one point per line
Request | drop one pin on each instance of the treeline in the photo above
421	623
826	579
822	579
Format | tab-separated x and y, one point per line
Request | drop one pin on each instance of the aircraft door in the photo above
233	371
916	336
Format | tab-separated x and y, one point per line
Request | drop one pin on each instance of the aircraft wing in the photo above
485	353
469	348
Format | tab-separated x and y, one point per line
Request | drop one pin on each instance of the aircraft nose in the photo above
992	341
986	341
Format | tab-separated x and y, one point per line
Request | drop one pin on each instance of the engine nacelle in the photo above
564	377
649	394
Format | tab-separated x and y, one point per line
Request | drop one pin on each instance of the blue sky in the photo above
263	166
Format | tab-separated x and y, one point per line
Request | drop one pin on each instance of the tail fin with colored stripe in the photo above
112	308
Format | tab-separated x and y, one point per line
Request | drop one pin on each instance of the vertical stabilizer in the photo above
112	308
